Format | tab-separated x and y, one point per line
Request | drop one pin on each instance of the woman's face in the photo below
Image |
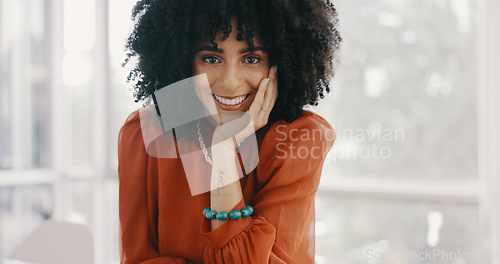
234	71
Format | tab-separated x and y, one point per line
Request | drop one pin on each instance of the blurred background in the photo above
413	169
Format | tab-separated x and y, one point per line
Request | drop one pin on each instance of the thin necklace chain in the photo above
202	144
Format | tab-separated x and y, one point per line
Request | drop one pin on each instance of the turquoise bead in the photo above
245	212
221	215
249	208
235	214
205	211
210	214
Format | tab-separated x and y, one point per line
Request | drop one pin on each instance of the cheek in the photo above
211	76
255	76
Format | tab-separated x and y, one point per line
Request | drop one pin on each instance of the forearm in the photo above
225	185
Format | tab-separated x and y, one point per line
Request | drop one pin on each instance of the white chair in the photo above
57	243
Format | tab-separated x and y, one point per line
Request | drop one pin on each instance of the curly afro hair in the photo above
300	36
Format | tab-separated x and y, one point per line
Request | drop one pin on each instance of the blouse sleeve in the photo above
281	230
138	239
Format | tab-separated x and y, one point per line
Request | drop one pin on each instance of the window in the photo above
403	176
25	116
25	119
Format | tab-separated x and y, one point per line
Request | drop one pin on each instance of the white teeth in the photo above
234	101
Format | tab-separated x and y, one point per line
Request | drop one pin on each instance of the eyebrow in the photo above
245	50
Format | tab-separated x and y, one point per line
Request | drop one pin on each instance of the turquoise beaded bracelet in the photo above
235	214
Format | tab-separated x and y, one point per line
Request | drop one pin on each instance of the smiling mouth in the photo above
231	101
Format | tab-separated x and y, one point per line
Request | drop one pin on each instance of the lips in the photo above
230	103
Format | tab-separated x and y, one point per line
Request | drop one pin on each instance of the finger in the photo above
275	88
259	98
273	91
270	98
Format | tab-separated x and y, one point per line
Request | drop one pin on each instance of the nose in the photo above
231	78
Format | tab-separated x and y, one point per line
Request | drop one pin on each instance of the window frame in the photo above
488	124
484	193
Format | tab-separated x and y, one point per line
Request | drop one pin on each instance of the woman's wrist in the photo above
226	197
238	130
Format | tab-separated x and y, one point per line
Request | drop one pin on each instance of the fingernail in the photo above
275	69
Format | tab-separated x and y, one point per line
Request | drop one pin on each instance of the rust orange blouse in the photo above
161	222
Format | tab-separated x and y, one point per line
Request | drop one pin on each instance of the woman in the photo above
260	58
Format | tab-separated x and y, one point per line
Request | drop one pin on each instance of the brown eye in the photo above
252	60
211	59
